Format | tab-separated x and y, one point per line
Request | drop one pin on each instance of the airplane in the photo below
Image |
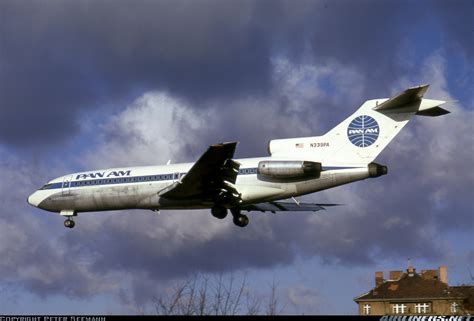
216	181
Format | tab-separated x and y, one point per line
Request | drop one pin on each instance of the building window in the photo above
367	309
454	307
399	308
422	308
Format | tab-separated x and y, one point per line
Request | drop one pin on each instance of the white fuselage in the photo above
138	187
296	166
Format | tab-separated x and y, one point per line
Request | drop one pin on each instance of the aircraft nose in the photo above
34	199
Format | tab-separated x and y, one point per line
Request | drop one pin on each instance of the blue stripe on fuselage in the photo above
153	178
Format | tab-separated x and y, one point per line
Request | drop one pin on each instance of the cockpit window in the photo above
47	186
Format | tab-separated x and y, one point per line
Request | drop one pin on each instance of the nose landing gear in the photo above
69	223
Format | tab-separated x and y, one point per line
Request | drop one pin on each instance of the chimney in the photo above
411	269
443	274
395	275
430	274
378	278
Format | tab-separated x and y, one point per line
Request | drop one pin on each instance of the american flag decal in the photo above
299	145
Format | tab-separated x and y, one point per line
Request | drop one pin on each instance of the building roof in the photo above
466	292
410	287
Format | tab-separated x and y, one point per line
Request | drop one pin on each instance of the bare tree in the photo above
202	295
273	301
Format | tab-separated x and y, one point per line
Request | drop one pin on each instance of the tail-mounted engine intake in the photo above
376	170
289	170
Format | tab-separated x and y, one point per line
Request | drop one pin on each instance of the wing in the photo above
286	206
211	178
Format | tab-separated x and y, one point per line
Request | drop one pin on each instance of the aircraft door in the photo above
66	187
176	177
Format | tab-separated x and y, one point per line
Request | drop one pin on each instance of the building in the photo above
412	293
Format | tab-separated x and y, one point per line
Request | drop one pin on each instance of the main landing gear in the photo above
219	212
69	223
239	219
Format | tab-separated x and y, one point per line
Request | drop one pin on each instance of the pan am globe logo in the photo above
363	131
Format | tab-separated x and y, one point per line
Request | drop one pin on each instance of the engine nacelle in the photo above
289	170
376	170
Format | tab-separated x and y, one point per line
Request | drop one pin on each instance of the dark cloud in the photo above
364	36
61	59
453	16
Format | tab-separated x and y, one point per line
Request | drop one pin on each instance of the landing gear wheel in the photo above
219	212
241	220
69	223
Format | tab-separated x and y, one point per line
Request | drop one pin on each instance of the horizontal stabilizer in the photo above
407	97
433	112
286	207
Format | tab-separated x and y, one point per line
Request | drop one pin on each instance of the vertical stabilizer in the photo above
363	135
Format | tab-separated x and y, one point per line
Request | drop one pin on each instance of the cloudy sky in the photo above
93	84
